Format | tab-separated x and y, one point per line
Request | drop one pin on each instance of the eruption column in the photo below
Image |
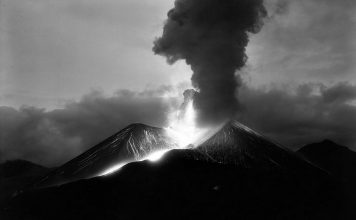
211	35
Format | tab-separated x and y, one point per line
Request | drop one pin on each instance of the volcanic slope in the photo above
130	144
238	145
236	174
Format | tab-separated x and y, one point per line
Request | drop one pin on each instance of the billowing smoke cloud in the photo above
211	35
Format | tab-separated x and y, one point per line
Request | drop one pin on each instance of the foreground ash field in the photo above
234	174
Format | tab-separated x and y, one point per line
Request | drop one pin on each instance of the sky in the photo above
73	72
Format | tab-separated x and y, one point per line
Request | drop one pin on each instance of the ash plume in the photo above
211	36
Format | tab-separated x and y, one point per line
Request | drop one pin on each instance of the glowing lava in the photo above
156	155
112	169
151	157
182	128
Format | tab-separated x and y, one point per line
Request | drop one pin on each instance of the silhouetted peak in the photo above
336	159
19	167
324	147
327	141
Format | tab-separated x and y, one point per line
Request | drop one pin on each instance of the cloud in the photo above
71	46
53	137
309	113
342	92
305	41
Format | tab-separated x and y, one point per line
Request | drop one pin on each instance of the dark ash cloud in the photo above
53	137
211	36
312	112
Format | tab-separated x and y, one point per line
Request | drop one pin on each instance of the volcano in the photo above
234	144
130	144
236	173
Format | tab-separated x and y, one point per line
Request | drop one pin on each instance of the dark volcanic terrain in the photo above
16	175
